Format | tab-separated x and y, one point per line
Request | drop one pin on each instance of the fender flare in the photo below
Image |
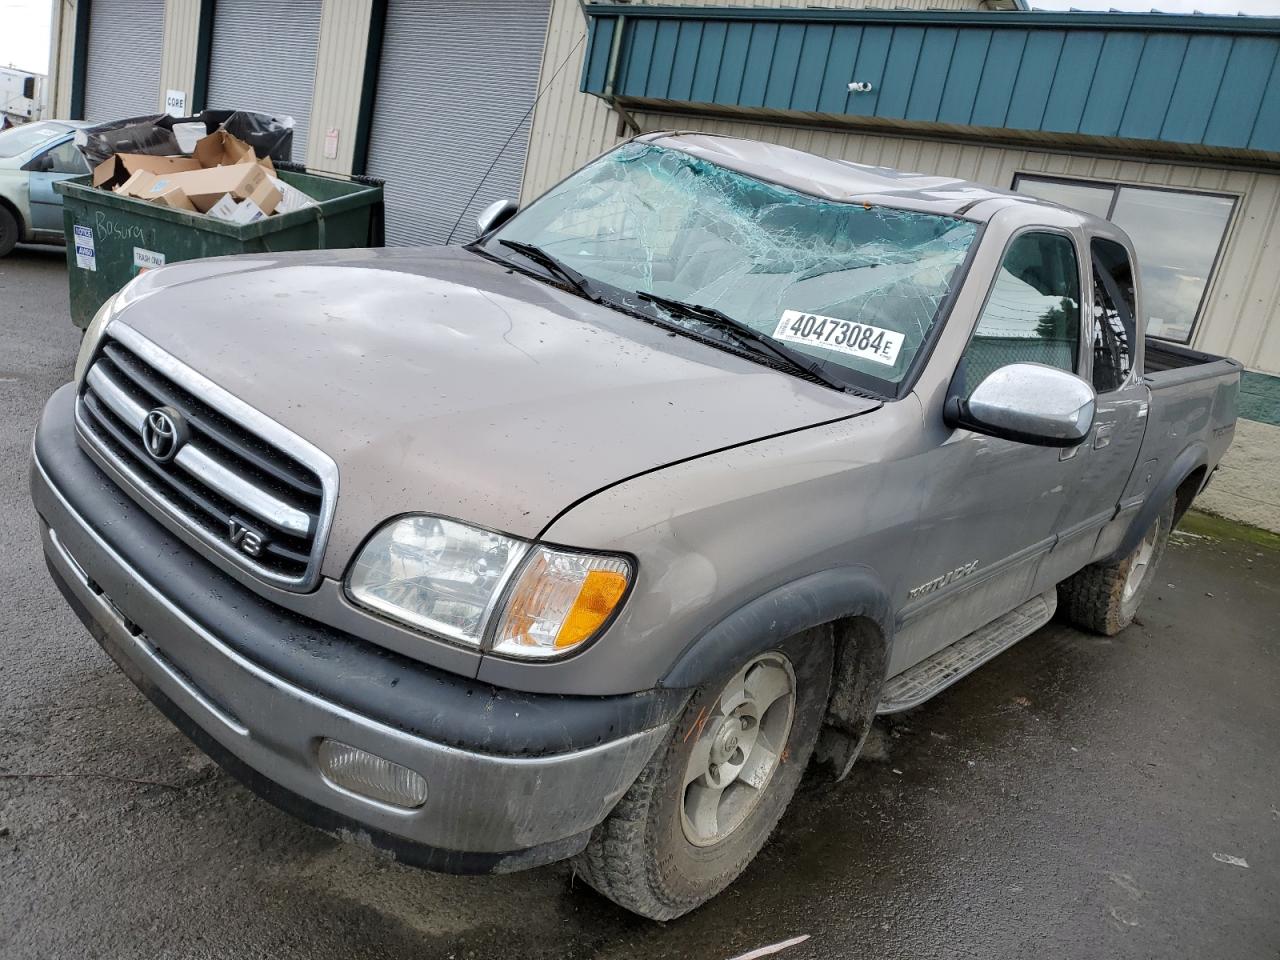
809	601
1192	458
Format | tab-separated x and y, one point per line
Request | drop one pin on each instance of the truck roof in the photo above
846	181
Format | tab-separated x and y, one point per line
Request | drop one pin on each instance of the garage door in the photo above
455	82
263	58
122	72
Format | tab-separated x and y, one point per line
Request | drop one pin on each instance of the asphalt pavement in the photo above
1078	797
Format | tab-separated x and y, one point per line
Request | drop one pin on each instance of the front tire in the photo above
1105	598
710	797
9	231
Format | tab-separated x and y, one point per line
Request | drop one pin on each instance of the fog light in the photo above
370	775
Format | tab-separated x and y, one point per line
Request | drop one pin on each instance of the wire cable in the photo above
503	149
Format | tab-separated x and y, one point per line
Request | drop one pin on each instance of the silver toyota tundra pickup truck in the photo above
585	540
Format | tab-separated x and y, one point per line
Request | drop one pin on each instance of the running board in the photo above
914	686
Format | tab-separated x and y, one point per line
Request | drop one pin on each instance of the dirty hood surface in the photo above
443	382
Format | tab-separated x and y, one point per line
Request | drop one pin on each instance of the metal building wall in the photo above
122	73
570	127
178	60
61	49
1242	309
455	84
344	37
264	57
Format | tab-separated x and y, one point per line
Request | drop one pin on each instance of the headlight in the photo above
448	578
92	334
437	574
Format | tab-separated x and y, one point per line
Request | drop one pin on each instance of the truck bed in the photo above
1162	356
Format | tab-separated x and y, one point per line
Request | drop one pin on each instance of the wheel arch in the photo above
827	597
855	604
1184	479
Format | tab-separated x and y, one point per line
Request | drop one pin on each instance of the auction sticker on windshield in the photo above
845	336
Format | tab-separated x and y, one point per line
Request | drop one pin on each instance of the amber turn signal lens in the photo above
600	593
560	600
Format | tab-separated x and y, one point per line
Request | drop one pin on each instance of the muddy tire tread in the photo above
1092	599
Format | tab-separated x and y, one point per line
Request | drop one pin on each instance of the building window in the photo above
1177	235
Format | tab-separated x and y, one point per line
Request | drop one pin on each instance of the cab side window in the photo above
1033	312
1113	315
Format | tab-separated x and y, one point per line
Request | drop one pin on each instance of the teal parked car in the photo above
33	157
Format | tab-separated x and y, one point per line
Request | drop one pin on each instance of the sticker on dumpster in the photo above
144	260
86	255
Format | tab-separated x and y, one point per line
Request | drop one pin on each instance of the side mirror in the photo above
43	163
495	215
1029	403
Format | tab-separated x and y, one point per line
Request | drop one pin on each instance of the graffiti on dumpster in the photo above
109	229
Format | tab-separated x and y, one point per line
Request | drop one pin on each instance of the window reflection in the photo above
1033	312
1177	236
1077	196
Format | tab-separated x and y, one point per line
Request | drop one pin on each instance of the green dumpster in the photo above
111	239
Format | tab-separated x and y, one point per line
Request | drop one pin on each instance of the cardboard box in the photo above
145	185
206	187
221	149
116	169
173	197
237	211
256	206
291	198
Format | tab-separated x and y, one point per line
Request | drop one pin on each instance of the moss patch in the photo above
1207	525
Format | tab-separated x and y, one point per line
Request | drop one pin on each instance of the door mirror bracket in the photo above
1028	403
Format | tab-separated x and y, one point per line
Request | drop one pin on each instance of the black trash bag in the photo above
155	135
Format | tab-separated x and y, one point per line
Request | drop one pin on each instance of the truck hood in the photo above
442	382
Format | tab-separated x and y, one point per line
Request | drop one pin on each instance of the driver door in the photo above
992	505
59	162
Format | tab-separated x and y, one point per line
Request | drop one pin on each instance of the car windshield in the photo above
19	140
852	286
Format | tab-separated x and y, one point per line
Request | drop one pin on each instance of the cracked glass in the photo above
649	218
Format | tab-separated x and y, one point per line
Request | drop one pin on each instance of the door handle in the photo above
1102	435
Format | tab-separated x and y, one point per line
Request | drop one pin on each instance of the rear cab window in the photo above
1114	309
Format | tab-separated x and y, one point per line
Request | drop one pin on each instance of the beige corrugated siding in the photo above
570	127
178	60
61	47
344	33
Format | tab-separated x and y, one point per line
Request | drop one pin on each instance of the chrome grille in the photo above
238	481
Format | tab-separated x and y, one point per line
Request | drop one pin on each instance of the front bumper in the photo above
514	780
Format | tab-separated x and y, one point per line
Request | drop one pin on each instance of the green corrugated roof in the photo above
1203	81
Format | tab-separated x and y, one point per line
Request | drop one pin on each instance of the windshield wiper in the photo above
566	273
712	317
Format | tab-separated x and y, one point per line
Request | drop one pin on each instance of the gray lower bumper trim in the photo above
476	802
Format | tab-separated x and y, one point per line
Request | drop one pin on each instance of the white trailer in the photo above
21	95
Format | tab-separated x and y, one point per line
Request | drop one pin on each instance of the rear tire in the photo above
677	837
1105	598
9	231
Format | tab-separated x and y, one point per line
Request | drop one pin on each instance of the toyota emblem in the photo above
164	433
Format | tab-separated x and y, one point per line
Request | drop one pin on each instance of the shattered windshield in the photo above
849	285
